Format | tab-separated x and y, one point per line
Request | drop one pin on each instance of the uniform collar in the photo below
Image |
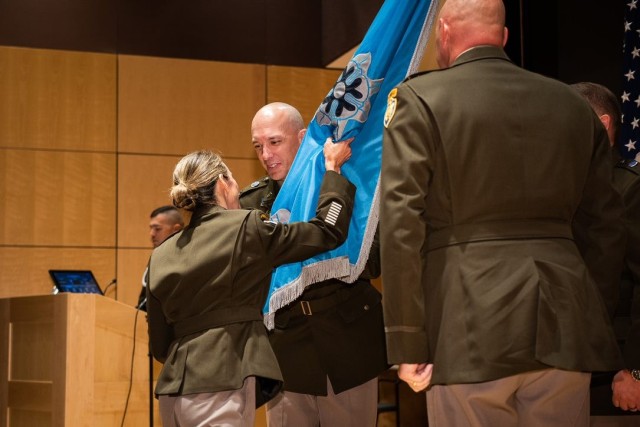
480	52
204	212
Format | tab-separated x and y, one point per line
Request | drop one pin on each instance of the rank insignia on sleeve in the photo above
391	106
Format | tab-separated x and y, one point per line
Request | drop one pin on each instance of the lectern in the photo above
66	360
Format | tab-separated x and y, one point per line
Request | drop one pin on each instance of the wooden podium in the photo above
68	359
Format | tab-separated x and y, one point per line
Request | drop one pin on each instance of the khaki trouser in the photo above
224	408
549	398
357	406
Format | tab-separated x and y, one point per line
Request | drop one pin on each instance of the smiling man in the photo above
330	342
277	130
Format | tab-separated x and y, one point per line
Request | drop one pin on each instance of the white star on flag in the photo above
630	74
630	127
625	97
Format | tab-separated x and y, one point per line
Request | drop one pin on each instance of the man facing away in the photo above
163	222
494	293
330	342
617	393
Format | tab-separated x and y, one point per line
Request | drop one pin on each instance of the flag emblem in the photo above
350	97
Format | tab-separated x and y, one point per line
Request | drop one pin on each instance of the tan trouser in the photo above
235	408
357	406
548	398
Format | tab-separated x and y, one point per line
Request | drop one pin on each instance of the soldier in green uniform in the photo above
494	296
330	342
208	283
614	393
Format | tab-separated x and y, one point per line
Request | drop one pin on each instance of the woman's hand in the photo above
336	154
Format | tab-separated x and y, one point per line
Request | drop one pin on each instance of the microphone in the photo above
113	282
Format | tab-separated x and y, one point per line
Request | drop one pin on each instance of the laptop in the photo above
75	281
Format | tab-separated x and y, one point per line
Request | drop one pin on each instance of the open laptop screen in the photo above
75	281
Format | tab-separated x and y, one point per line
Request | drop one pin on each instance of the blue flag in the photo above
630	128
354	107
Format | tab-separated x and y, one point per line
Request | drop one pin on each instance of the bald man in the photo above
330	341
494	293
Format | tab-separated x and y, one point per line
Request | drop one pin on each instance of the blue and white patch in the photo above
350	98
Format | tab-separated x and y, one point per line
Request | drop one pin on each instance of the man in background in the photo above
330	342
486	168
616	392
164	221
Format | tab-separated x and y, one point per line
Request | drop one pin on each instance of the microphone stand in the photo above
150	387
142	306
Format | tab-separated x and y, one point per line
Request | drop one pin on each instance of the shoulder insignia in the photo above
262	182
392	103
630	165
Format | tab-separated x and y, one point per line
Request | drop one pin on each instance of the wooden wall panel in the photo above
173	106
304	88
246	171
24	270
131	266
144	182
143	185
57	198
57	99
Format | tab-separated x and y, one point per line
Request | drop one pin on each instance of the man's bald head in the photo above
277	130
463	24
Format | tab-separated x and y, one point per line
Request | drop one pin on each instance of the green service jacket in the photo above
487	172
208	283
343	341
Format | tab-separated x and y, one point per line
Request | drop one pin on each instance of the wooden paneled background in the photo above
88	142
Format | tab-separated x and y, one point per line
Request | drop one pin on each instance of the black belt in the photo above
216	319
309	307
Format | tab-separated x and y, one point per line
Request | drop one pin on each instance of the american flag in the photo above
630	131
